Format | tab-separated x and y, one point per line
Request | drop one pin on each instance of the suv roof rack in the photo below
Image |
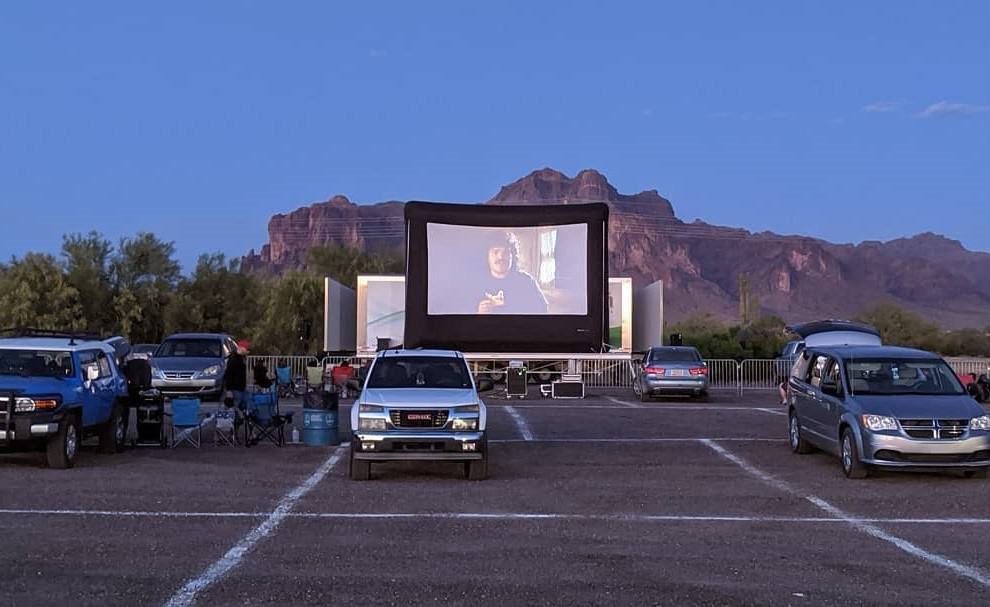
72	336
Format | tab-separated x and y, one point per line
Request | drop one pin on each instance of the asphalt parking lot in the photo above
599	501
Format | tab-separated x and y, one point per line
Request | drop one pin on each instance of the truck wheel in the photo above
114	432
476	470
61	448
981	473
360	469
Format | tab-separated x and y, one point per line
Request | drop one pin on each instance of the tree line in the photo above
765	337
136	288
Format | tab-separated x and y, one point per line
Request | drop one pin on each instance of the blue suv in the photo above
56	389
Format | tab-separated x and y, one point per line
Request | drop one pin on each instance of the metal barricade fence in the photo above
977	366
723	374
761	374
297	364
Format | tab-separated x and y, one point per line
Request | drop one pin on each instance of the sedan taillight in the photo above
699	371
654	370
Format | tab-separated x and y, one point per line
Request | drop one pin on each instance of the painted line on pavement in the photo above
622	402
645	518
863	525
649	407
524	430
187	594
770	411
636	440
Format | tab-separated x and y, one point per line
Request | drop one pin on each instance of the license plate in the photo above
677	372
419	417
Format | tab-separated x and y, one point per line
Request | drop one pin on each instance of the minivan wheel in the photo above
852	467
798	444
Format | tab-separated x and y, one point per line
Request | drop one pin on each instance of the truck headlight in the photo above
210	371
27	405
467	409
879	422
371	424
460	424
980	423
371	408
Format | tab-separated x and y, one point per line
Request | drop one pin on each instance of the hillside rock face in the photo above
794	277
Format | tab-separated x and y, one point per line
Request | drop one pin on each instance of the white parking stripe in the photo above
656	406
524	430
862	525
771	411
635	440
187	594
622	402
644	518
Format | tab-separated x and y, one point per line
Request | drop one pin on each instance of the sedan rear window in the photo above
678	355
898	376
419	372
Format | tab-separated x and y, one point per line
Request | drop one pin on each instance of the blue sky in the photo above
199	120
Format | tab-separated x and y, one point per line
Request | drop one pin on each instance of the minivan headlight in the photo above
210	371
879	422
157	373
980	423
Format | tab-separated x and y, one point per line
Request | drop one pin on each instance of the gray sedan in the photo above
670	370
885	406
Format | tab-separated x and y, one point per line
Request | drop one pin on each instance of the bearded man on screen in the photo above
505	288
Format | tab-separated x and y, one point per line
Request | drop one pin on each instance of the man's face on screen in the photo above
499	261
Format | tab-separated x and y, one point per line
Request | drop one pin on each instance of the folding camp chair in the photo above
314	378
283	377
263	420
186	419
225	429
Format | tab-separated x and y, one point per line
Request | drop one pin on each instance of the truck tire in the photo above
114	432
360	469
61	449
476	470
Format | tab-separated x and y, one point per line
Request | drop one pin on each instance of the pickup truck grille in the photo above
418	418
935	429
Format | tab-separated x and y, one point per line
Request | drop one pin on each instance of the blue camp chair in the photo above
283	377
262	420
186	420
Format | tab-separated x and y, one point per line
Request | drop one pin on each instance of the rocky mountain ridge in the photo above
794	277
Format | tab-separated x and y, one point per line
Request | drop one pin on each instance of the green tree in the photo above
217	298
35	293
293	303
343	264
901	327
763	338
146	268
87	268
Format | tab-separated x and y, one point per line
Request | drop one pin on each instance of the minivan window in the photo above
189	348
419	372
899	376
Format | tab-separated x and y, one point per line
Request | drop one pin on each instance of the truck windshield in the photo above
419	372
189	348
896	376
36	363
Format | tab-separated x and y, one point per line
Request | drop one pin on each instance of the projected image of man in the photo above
506	289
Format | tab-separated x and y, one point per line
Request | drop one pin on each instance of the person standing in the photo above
235	377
